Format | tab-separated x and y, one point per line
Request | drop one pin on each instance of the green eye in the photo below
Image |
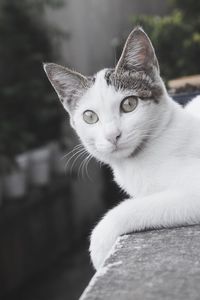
90	117
129	104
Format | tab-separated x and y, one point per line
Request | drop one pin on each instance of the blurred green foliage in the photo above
29	113
176	38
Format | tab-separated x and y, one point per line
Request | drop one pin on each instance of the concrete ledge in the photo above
152	265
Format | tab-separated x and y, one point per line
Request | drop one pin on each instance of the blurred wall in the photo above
94	26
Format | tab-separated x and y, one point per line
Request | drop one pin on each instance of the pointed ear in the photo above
138	53
68	84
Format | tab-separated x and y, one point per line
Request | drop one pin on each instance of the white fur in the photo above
193	106
163	180
154	151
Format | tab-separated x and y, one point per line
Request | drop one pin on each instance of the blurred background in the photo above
51	196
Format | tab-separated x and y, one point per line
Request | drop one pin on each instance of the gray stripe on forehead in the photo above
107	76
138	81
91	79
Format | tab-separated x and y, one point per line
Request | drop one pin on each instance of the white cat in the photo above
125	118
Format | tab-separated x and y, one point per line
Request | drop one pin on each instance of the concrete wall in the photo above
152	265
93	24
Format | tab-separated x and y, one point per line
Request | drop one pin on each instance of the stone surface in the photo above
158	264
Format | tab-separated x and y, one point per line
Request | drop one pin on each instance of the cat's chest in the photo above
138	179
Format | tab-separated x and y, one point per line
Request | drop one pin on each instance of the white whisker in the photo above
86	166
81	164
78	157
76	153
74	149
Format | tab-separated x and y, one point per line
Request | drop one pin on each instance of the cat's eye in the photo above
129	104
90	117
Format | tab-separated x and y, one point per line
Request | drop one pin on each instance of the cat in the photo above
126	119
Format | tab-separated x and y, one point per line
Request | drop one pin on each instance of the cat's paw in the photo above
102	239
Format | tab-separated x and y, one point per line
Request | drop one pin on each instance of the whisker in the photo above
86	165
74	149
80	166
79	156
76	153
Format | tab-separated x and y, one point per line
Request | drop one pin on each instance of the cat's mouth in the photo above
116	152
119	151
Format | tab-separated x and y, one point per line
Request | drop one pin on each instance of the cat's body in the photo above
125	118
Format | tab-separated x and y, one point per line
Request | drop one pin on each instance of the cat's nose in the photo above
113	137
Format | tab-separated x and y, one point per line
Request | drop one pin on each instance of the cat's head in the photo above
115	111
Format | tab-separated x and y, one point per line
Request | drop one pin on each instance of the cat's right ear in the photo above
68	84
138	54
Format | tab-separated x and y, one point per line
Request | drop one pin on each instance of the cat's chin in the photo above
108	157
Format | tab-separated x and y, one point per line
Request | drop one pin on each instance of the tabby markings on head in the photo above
137	81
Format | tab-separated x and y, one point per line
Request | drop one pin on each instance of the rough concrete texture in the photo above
152	265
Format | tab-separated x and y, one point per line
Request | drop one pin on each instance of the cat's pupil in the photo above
129	104
90	117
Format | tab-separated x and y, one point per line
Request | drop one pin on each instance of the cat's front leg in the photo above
103	238
165	209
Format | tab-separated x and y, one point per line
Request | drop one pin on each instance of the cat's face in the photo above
116	111
113	123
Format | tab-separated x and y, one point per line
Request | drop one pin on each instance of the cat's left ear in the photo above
138	54
68	84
